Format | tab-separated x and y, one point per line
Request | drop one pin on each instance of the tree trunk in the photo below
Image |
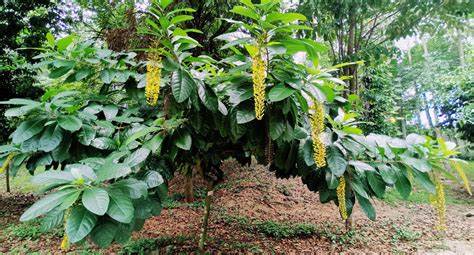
350	52
188	184
417	95
427	111
205	218
349	223
462	62
7	175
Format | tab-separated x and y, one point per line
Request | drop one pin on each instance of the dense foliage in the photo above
110	146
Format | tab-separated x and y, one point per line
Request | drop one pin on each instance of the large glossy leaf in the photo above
366	206
103	143
245	12
53	177
285	17
70	123
137	157
376	183
96	200
182	139
113	171
80	223
51	138
46	204
245	115
403	185
103	234
110	111
153	179
135	187
182	85
52	219
336	162
120	206
421	165
86	135
28	129
280	92
361	166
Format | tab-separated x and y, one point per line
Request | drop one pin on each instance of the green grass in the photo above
420	196
21	182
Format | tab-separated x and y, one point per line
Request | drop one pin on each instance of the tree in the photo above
112	147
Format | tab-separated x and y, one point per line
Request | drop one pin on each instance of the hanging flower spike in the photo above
153	78
258	78
65	243
317	127
438	201
341	197
461	173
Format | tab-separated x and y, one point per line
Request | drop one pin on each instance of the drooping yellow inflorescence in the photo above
317	127
341	197
153	78
439	203
258	78
461	173
65	243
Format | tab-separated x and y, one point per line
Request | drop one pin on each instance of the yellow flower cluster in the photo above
317	127
461	173
258	78
439	203
153	78
341	197
65	243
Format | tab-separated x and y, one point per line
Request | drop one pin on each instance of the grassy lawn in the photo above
21	182
420	196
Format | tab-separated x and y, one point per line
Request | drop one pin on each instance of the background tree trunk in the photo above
205	218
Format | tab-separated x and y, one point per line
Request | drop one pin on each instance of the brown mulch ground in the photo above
252	194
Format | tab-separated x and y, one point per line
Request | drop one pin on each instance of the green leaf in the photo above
154	144
103	234
141	133
245	12
110	111
284	17
28	129
137	157
388	175
135	187
277	125
96	200
181	85
113	171
58	72
403	185
70	200
183	139
50	39
86	135
180	18
103	143
425	181
421	165
64	42
308	152
46	204
361	166
82	73
366	206
52	219
70	123
53	177
79	224
153	179
280	92
107	75
245	115
376	184
51	138
165	3
336	162
120	206
332	180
